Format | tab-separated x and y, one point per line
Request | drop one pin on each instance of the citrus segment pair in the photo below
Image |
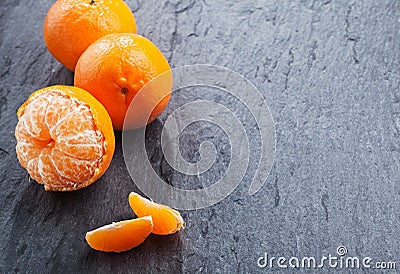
116	67
71	26
153	218
165	219
65	138
121	236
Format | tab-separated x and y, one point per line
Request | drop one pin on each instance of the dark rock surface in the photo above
329	71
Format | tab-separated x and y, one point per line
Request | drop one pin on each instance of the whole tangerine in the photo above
71	26
114	68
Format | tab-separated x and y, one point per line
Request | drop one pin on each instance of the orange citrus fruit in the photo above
114	68
121	236
71	26
165	219
65	138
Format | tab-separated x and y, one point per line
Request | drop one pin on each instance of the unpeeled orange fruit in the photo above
71	26
165	219
65	138
114	68
121	236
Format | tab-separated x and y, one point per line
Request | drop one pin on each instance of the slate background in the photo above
329	71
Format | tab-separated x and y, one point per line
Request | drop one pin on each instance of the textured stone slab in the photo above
329	71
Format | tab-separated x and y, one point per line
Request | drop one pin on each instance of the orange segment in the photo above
85	145
27	151
121	236
56	111
64	138
34	122
48	170
165	219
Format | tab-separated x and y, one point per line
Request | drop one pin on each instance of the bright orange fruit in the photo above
121	236
165	219
65	138
71	26
114	68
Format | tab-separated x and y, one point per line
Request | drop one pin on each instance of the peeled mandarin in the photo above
65	138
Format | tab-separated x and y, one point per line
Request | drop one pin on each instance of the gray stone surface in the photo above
329	71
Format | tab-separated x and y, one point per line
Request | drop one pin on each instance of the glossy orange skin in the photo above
121	236
71	26
101	119
115	68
